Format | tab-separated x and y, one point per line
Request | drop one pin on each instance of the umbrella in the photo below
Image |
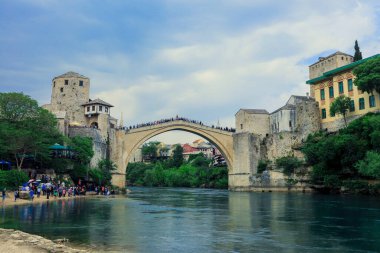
31	180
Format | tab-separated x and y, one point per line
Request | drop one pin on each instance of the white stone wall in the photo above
283	120
252	123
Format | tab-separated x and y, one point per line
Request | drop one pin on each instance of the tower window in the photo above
100	108
93	108
66	82
106	108
80	83
88	108
61	89
241	126
54	84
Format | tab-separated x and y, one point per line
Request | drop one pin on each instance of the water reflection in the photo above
194	220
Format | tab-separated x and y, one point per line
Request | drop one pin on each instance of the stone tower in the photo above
69	92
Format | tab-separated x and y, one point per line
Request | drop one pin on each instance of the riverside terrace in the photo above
161	121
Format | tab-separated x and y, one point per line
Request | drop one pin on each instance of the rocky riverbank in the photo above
14	241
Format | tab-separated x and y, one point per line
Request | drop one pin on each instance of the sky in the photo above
200	59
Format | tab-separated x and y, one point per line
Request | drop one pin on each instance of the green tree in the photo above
358	55
150	150
83	154
370	165
177	156
83	149
368	75
26	130
17	107
288	164
341	105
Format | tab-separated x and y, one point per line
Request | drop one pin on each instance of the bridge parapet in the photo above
179	123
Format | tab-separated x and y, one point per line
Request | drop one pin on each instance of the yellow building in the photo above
337	82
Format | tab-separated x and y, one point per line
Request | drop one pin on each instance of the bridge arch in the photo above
129	141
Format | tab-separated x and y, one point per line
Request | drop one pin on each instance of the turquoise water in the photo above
198	220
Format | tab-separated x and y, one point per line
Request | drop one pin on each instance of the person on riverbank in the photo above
4	194
31	194
16	194
38	192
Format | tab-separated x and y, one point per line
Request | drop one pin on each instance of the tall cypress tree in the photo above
358	55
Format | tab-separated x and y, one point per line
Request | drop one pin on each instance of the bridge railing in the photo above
171	120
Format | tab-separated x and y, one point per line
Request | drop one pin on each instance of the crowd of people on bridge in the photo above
162	121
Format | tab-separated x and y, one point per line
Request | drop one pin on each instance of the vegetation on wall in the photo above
350	154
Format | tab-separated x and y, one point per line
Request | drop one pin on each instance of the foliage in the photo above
370	165
83	149
177	156
341	105
368	75
106	167
187	175
199	160
17	107
26	130
262	166
136	171
351	153
288	164
11	179
150	150
358	55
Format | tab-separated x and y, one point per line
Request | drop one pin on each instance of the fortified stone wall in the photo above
246	155
307	119
100	144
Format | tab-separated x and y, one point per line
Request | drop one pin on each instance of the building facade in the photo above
329	85
78	115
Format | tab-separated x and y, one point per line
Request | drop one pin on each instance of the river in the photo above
200	220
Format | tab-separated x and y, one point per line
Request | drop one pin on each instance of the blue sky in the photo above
199	59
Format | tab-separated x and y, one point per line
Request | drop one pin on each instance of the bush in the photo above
370	166
262	166
358	186
288	164
187	175
12	179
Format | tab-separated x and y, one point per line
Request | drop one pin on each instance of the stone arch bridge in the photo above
123	143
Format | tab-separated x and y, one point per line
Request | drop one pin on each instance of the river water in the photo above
199	220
